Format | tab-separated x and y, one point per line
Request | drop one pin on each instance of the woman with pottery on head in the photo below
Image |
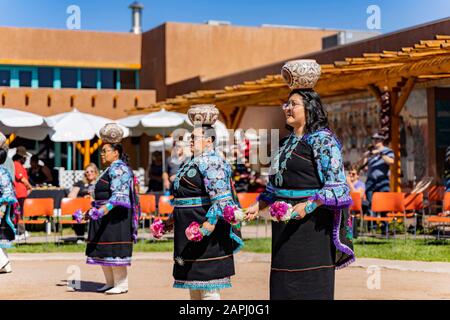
113	220
307	196
205	236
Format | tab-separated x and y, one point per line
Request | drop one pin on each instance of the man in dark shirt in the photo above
173	163
379	160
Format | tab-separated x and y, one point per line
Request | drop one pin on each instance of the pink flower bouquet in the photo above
233	215
157	229
281	211
193	232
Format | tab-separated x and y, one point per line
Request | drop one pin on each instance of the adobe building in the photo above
412	65
111	74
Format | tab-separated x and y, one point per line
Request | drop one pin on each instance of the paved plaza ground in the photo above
43	276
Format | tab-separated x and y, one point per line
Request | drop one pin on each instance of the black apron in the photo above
209	259
110	236
303	253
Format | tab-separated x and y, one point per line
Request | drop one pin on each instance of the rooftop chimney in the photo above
136	17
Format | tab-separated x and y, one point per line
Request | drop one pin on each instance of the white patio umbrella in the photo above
159	145
23	124
155	123
77	126
161	122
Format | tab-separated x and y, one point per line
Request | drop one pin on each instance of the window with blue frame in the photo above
108	79
69	78
46	77
89	78
25	78
5	78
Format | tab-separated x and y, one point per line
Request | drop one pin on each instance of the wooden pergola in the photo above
396	72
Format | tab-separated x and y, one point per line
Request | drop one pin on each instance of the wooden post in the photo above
11	138
87	153
397	104
431	147
395	145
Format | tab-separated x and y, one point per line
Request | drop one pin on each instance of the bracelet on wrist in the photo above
310	207
109	206
204	231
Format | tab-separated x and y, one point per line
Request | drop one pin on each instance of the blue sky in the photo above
114	15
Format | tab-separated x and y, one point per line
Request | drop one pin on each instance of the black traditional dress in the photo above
111	238
306	252
9	201
202	189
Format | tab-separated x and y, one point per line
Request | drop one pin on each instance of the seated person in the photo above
84	189
356	185
37	174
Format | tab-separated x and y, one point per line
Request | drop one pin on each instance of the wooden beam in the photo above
414	68
238	117
405	93
375	91
429	57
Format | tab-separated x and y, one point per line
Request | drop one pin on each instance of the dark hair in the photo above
316	116
119	148
355	167
17	157
209	132
3	155
35	158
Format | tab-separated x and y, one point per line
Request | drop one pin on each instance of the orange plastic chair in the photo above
414	204
164	207
246	199
412	201
442	221
356	209
37	208
390	202
435	196
446	204
148	206
357	204
70	206
436	193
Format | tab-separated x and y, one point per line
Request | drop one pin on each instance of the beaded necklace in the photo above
186	166
288	146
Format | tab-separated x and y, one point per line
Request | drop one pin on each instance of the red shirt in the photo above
20	172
